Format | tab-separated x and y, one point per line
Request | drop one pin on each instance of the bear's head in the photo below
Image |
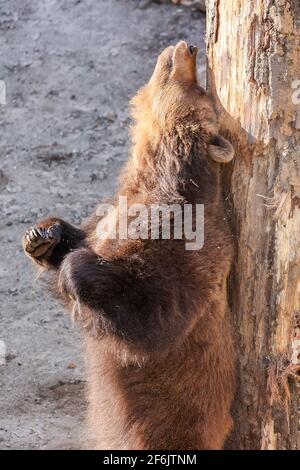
173	98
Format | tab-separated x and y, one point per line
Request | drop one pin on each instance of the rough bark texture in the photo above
254	58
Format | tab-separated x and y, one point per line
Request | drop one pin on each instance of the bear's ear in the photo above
220	149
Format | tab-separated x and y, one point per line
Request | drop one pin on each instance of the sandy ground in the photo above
70	67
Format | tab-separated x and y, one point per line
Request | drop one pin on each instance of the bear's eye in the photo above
170	63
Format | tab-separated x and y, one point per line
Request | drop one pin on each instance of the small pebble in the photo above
72	365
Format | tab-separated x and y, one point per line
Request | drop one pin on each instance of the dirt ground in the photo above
69	67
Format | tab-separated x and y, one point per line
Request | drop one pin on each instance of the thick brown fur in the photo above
154	316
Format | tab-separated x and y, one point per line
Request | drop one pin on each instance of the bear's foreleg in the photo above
127	299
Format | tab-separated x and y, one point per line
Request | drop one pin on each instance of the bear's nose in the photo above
193	49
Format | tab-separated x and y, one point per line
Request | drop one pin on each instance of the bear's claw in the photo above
38	240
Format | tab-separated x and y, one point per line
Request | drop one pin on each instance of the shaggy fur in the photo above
154	316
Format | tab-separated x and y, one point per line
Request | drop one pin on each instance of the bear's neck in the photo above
176	167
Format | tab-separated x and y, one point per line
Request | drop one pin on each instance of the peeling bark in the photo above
254	60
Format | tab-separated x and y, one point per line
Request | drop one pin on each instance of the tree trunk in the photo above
254	70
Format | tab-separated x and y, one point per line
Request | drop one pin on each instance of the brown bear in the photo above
154	315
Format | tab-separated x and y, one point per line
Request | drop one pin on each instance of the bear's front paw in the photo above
38	240
83	277
74	274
